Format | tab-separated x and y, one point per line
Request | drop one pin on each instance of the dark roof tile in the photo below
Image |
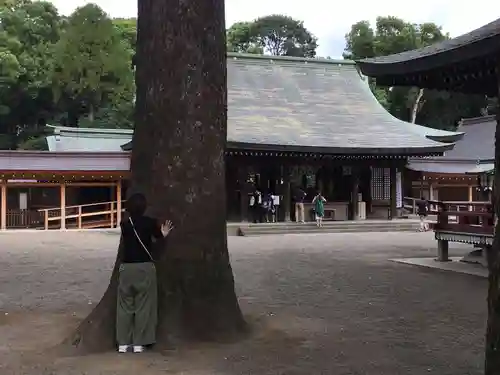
316	104
475	149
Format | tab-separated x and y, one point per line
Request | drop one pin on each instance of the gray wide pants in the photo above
137	304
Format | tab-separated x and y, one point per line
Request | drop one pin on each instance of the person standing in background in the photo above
300	196
256	205
319	208
422	209
268	206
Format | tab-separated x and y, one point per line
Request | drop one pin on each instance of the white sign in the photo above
399	190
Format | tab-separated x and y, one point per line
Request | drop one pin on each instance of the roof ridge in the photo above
317	60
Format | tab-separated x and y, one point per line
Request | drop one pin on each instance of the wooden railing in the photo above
17	219
92	215
411	206
476	218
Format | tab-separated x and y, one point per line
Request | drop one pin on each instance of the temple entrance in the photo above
357	191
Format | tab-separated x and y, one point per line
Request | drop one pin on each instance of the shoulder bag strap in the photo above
139	239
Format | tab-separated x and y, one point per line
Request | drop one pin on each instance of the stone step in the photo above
354	227
336	228
344	224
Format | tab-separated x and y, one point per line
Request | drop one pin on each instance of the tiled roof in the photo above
283	103
472	154
316	104
478	142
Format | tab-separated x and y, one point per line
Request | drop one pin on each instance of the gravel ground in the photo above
321	304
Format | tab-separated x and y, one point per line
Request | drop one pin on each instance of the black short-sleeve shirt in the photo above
147	228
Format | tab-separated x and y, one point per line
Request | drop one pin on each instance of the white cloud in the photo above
330	20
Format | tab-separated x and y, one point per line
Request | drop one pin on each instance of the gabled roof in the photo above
474	153
297	104
449	65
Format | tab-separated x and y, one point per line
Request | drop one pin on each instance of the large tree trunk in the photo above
178	163
492	357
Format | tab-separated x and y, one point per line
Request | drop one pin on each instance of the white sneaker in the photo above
138	348
122	348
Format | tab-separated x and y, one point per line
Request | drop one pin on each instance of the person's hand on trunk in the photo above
166	228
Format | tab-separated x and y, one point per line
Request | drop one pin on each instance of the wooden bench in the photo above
329	213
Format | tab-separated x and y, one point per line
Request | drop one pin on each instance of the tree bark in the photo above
178	163
416	106
492	354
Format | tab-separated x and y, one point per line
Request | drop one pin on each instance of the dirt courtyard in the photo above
328	304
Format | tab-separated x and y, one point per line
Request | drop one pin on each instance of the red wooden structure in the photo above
473	225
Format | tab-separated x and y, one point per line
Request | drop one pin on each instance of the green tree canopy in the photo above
240	39
28	31
276	34
92	65
427	107
127	29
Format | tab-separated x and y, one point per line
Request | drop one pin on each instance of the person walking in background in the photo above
319	208
422	210
300	196
137	309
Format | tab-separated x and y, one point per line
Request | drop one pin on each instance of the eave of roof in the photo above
464	47
449	167
332	151
441	65
58	162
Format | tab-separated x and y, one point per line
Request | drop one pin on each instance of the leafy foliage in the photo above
275	34
28	31
391	35
75	70
92	64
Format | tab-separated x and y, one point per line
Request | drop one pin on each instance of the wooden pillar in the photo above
354	193
118	203
63	205
393	201
79	219
244	190
112	214
470	197
443	251
3	203
431	195
287	193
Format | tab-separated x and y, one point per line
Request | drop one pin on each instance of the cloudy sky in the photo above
330	20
